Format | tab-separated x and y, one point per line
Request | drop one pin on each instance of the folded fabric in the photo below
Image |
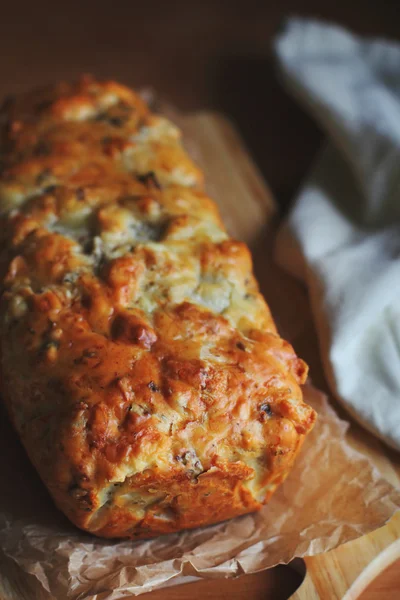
343	233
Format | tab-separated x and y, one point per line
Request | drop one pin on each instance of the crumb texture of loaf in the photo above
139	363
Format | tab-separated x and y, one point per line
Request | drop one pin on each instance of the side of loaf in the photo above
140	365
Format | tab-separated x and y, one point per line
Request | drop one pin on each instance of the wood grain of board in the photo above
349	571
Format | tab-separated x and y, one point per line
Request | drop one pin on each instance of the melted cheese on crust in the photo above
140	364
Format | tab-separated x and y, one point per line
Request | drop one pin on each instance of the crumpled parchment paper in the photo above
332	495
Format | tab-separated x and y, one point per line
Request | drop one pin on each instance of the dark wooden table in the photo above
213	54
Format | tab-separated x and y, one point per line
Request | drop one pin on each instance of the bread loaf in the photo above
140	365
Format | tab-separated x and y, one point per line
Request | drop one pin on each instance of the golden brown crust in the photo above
139	363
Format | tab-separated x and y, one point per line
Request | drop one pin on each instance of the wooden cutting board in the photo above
250	213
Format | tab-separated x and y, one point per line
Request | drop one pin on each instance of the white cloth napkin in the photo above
343	234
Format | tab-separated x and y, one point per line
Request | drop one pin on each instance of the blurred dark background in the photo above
212	54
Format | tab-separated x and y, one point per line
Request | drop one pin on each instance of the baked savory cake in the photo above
139	363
